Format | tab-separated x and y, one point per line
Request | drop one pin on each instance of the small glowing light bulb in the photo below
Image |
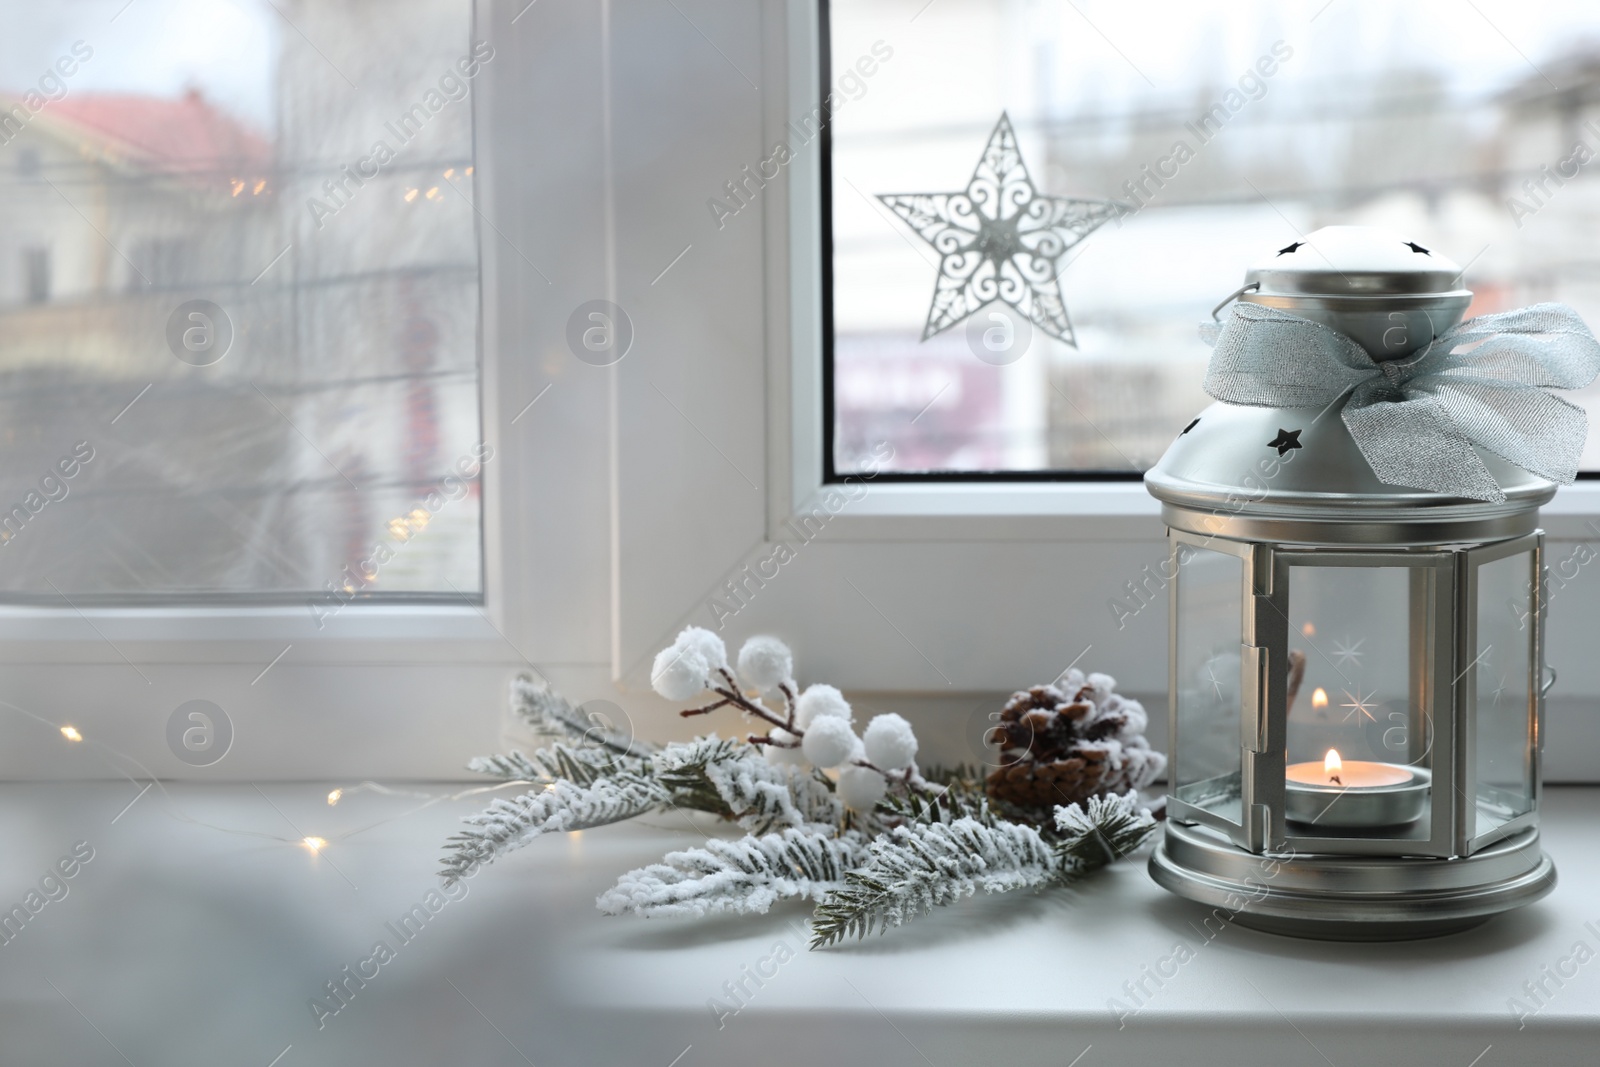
314	844
333	797
71	733
1319	697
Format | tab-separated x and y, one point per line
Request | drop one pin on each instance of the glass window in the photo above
1207	751
239	354
1226	130
1503	676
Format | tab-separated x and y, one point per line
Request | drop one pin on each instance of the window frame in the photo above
830	473
286	678
1088	503
902	505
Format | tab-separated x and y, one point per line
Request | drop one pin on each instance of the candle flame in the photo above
1332	765
1319	699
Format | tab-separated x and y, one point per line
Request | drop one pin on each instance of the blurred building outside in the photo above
349	391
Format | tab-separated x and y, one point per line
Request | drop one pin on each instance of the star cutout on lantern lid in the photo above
1285	441
1000	239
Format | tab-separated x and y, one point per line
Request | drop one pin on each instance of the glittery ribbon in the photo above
1417	419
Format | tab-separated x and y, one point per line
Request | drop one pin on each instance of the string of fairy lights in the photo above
312	843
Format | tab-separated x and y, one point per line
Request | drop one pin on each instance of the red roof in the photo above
184	134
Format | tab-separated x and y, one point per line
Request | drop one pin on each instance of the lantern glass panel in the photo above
1503	734
1209	619
1358	728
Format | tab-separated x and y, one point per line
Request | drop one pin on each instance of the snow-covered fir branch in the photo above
511	822
549	714
741	877
939	803
580	765
916	867
1102	830
929	861
760	794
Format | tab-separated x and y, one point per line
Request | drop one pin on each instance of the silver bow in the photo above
1416	419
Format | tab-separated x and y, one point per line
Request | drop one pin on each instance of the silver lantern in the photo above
1356	672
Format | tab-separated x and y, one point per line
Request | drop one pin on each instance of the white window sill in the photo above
441	632
1070	511
168	906
968	511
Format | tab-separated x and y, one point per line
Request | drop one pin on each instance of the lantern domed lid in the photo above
1355	261
1390	293
1296	474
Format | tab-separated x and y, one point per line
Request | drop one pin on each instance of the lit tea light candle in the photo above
1357	774
1345	793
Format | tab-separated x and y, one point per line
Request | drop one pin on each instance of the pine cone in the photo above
1045	785
1064	744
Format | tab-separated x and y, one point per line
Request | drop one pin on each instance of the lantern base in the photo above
1351	898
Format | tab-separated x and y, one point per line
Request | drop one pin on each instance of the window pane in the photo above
238	338
1207	751
1412	117
1502	734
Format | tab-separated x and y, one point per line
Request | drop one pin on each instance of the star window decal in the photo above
1000	239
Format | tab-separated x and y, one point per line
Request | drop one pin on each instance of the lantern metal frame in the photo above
1358	884
1447	633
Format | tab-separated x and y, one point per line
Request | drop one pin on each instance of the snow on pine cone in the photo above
1062	744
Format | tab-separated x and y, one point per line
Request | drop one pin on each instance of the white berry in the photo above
829	741
891	745
765	662
708	644
821	702
679	673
